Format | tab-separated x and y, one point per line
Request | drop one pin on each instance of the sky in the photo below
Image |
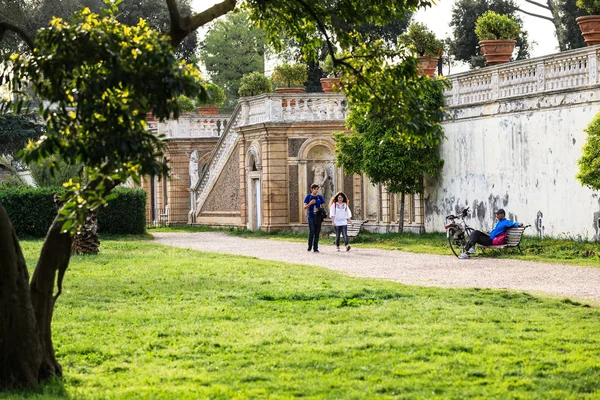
437	18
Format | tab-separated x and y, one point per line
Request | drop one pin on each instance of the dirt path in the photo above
408	268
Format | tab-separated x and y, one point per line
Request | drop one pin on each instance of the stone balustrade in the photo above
191	126
280	107
557	72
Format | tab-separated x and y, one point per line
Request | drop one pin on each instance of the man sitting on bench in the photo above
486	239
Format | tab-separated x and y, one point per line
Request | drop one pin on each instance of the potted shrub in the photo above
497	35
425	46
185	103
290	78
253	84
215	97
331	83
590	24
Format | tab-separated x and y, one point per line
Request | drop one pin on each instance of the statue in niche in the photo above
321	176
193	169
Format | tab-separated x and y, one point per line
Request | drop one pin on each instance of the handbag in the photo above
499	240
321	213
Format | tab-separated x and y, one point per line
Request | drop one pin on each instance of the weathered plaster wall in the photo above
520	155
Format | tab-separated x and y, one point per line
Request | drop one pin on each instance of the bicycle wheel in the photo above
456	241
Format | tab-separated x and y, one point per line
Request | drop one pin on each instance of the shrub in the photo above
286	75
31	210
253	84
493	26
422	41
215	96
589	163
591	7
185	104
125	214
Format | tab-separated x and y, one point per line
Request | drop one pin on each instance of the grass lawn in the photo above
143	321
565	250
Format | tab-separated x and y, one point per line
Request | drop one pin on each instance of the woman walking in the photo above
340	214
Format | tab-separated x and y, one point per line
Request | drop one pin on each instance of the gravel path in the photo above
408	268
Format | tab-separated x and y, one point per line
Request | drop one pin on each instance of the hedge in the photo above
124	215
32	210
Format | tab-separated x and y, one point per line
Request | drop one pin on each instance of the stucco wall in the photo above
521	155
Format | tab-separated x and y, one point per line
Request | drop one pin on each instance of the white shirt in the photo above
339	214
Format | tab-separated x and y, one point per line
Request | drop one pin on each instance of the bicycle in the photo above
458	233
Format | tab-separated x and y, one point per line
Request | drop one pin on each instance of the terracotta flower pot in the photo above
208	110
327	84
427	65
497	51
590	29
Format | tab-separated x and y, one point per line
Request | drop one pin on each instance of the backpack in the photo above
499	240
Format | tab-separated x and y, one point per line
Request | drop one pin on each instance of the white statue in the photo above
320	178
193	169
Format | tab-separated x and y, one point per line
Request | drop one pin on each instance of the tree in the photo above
564	13
233	48
589	163
33	15
103	77
376	150
15	132
464	45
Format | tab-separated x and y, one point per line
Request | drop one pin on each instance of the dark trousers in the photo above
314	230
480	238
343	230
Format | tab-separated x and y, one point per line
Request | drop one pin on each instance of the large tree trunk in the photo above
26	351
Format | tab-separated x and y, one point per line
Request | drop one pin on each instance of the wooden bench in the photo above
513	239
353	231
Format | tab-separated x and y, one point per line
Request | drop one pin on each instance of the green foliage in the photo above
589	163
31	210
592	7
422	41
182	324
493	26
233	47
185	104
328	66
102	78
414	120
125	214
35	15
290	75
215	96
53	171
568	33
254	83
378	150
464	43
17	130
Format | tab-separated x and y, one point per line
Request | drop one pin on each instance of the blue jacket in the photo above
502	226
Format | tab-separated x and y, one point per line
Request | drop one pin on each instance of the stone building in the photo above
514	133
257	165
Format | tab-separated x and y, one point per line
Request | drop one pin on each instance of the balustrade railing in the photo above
191	126
565	70
297	107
